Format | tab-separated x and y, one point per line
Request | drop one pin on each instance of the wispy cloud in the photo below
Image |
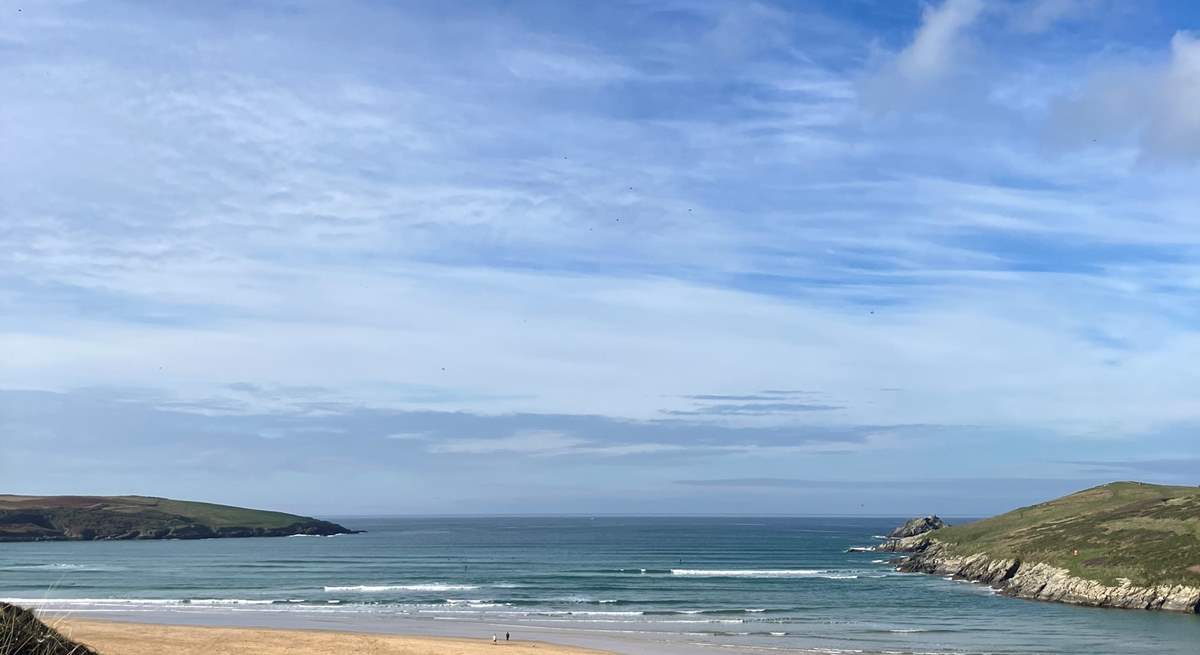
896	484
938	50
938	44
1148	105
534	443
1183	466
753	409
1036	16
631	236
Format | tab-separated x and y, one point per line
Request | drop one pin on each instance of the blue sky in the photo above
704	257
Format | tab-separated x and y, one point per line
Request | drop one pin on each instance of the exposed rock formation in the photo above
899	540
919	525
1039	581
905	545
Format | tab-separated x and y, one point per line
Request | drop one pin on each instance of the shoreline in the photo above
1039	581
565	640
116	637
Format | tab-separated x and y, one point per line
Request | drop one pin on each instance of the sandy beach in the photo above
120	638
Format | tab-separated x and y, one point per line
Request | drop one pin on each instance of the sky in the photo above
677	257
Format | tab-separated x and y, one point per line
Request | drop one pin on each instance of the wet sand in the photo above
120	638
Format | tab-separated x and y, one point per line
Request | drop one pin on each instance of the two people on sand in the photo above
494	640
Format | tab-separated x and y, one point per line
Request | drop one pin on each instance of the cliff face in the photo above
1038	581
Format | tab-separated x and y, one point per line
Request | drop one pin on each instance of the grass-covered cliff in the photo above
1124	544
44	518
1146	533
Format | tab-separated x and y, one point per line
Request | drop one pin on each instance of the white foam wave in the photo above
475	603
39	602
582	613
59	566
226	601
373	589
751	573
135	602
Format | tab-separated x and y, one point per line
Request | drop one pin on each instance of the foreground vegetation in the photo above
1146	534
22	633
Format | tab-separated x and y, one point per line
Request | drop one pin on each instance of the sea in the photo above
638	585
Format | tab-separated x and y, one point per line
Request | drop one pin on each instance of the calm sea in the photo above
636	585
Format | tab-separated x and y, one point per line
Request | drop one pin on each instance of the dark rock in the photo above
914	527
1038	581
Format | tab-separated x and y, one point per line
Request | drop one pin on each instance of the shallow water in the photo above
635	584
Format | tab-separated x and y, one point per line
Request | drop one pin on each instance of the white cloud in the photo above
1174	129
938	44
545	443
1037	16
421	240
550	443
524	443
407	436
1150	107
551	66
922	70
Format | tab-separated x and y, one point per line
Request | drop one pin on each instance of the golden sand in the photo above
118	638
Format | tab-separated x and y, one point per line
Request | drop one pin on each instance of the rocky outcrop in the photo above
905	537
906	545
22	633
919	525
1039	581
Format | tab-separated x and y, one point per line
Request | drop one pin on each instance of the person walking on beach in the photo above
493	640
506	636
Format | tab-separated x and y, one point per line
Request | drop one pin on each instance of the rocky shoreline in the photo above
1036	581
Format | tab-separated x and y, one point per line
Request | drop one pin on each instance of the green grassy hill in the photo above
1148	534
39	518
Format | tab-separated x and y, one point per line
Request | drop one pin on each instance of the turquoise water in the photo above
633	584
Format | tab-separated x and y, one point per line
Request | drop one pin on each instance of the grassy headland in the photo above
45	518
1145	533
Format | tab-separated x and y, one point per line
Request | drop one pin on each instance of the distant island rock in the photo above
90	518
1125	544
919	525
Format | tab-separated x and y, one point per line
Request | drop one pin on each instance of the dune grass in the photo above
22	633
